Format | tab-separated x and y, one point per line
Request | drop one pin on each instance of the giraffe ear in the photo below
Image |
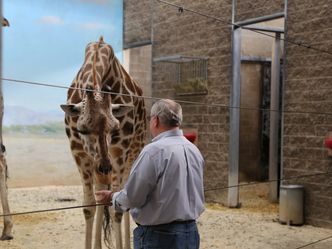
72	110
120	110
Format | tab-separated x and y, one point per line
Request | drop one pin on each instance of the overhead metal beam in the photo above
255	59
136	44
265	29
259	19
179	58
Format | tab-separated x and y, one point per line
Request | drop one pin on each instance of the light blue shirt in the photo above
165	183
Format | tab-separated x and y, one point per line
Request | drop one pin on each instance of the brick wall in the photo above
308	88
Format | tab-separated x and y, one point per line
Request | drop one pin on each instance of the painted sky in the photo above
45	43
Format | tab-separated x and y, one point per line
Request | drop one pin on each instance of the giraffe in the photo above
5	22
106	130
8	223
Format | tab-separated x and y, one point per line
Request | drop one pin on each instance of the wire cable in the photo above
52	210
275	180
156	98
206	190
301	44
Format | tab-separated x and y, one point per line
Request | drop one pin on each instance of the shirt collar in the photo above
170	133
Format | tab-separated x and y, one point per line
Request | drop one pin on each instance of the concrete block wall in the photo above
189	34
247	9
137	61
308	88
137	21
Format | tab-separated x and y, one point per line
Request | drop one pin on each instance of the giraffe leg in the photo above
99	221
8	224
126	230
89	213
117	229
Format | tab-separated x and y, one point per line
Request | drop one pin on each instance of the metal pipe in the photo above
255	59
136	44
260	19
282	93
179	58
234	137
265	29
274	119
233	12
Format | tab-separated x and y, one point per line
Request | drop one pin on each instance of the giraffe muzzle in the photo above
103	174
104	169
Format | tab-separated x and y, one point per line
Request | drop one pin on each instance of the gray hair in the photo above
168	111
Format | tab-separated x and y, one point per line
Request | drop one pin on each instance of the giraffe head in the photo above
96	116
5	22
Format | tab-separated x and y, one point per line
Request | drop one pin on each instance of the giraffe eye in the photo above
83	132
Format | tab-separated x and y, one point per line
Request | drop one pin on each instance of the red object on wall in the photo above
328	143
191	136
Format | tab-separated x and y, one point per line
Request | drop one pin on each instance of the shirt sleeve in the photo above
120	201
142	180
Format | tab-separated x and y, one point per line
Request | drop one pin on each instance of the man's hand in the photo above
103	197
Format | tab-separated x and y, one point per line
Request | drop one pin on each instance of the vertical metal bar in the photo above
274	119
234	136
282	94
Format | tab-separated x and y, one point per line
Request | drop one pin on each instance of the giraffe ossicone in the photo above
106	126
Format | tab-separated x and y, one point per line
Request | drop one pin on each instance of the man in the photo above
164	191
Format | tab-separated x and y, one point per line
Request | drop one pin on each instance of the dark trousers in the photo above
175	235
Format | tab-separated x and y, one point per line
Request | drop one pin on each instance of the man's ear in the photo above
72	110
120	110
